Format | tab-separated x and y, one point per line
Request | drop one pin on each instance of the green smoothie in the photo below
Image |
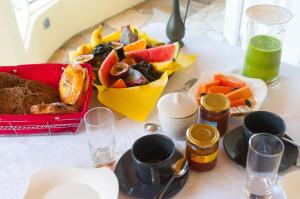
263	58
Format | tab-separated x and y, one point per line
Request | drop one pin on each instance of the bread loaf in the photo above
17	95
11	100
8	80
53	108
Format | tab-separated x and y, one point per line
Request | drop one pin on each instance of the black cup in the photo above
263	122
153	157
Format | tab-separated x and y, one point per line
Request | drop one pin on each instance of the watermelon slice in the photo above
157	54
107	64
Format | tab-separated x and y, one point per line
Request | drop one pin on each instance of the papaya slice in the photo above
232	83
238	102
138	45
119	84
227	81
219	89
212	83
220	76
202	89
243	92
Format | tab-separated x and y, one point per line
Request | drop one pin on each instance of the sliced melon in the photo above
158	54
161	66
107	64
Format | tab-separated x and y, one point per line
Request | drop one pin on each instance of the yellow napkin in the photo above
134	102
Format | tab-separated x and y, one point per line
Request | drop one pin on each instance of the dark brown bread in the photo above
17	95
11	100
36	98
37	87
8	80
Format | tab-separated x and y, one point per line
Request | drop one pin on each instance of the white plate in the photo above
257	86
75	183
290	185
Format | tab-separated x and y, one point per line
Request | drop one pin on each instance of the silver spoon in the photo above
152	127
179	168
187	85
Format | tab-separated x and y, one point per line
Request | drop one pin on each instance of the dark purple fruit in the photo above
81	59
127	36
119	69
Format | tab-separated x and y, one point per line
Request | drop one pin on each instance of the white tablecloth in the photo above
23	156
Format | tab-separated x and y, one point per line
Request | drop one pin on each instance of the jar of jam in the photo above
202	143
215	111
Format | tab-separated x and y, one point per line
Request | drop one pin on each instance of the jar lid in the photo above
177	105
269	14
202	135
215	102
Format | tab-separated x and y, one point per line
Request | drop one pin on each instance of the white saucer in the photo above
75	183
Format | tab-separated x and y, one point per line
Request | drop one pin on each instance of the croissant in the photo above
73	85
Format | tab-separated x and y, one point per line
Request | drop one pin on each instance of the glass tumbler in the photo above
265	31
100	131
263	161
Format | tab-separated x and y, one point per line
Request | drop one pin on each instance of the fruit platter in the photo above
130	68
241	91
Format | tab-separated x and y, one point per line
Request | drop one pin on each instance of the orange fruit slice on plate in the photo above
138	45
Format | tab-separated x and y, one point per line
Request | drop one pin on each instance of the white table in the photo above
20	157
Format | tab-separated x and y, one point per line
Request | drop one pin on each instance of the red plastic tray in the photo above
48	124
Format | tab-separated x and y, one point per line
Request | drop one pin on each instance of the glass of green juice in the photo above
266	27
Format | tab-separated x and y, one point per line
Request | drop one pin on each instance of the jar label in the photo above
214	124
204	159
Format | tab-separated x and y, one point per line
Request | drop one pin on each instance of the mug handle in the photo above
154	176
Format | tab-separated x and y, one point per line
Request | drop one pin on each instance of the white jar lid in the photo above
269	14
177	105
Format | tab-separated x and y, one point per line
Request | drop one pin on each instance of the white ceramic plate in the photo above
75	183
290	185
257	86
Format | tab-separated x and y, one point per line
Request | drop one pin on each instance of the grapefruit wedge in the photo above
104	70
158	54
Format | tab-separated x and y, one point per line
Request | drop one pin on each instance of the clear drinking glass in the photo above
100	131
266	27
263	160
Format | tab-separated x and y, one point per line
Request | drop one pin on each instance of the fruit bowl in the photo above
132	70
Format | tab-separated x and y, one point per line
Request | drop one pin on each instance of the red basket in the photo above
48	124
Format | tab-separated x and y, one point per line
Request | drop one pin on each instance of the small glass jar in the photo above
215	111
202	143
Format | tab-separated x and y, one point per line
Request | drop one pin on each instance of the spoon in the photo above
179	168
152	127
187	85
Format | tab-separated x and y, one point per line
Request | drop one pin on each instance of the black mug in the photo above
153	157
263	122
